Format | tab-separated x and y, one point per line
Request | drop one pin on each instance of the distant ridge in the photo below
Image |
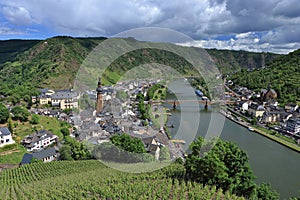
54	62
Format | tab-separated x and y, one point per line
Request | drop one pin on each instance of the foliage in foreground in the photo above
225	166
92	180
4	113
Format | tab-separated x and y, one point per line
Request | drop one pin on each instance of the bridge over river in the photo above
203	102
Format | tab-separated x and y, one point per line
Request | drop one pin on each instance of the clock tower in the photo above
99	103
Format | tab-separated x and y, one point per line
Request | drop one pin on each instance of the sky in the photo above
251	25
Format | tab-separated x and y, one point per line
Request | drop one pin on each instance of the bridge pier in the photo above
206	105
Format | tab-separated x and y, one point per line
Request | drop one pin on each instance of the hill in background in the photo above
53	63
283	75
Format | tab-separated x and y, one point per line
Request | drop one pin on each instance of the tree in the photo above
35	119
264	191
225	166
78	149
254	121
10	126
65	153
20	113
128	143
65	131
35	160
123	149
4	113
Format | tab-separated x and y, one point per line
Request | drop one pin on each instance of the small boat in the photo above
250	128
199	93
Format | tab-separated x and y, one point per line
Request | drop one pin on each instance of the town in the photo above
262	111
96	115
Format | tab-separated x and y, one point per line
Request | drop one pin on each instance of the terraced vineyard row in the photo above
92	180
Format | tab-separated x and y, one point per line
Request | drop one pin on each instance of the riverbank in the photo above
263	133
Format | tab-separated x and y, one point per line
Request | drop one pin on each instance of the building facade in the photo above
5	137
64	100
293	125
39	140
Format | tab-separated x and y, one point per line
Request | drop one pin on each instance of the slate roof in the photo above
256	107
44	153
4	131
26	159
294	121
40	135
63	95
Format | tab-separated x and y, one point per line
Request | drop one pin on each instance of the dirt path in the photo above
9	152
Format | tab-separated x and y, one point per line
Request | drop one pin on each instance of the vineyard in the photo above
93	180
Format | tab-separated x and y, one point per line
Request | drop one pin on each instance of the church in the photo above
267	95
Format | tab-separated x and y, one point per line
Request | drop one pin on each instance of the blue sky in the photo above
256	25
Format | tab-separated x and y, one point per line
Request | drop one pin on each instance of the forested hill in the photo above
230	60
50	63
9	49
283	74
53	63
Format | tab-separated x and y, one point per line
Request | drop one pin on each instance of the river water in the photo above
271	162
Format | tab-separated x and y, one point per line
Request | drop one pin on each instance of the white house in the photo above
293	125
65	99
291	107
5	137
39	140
245	106
256	110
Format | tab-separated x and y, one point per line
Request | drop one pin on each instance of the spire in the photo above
99	88
99	81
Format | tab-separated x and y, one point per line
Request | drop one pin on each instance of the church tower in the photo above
99	103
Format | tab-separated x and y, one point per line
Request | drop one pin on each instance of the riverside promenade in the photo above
263	133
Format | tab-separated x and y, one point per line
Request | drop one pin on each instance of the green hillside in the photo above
283	74
54	63
92	180
230	60
9	49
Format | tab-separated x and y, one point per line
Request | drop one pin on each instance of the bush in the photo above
4	114
65	131
35	119
20	113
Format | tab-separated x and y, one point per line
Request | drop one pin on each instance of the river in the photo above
271	162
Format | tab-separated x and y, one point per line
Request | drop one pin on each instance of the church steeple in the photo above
99	88
99	103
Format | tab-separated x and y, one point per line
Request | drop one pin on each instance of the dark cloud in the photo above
288	8
283	35
197	18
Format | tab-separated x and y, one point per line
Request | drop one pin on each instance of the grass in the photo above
15	157
137	167
263	129
277	139
25	128
8	148
49	123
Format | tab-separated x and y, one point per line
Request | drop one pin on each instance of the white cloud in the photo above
199	19
17	15
9	31
247	42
